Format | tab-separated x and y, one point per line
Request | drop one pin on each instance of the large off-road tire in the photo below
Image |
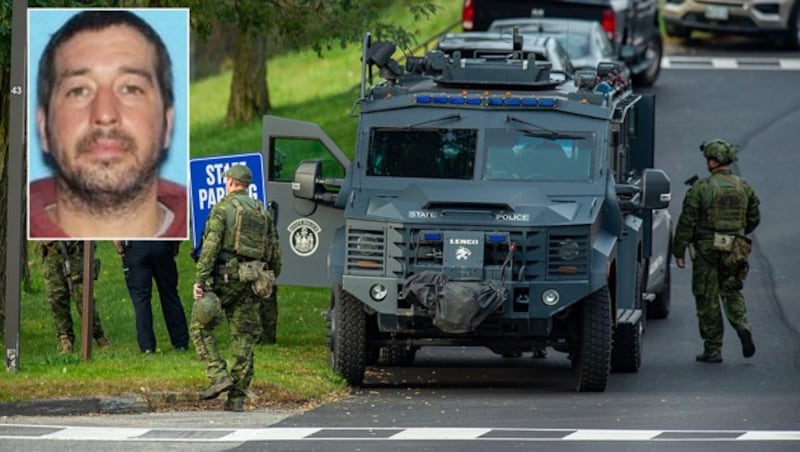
397	355
592	362
659	308
347	336
626	356
373	333
654	53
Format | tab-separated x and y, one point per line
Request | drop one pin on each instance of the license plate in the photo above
714	12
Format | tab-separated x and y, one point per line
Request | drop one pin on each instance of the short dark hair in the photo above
95	20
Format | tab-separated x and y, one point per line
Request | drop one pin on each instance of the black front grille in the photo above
392	250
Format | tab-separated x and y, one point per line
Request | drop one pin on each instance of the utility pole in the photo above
16	153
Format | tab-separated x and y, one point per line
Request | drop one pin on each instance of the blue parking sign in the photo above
208	185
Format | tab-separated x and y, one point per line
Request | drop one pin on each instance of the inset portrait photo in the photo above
108	138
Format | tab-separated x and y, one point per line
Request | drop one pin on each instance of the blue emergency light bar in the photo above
524	102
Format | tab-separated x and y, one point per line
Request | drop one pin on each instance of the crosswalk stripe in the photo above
770	436
749	63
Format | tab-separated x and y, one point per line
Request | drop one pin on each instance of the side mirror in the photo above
306	175
656	193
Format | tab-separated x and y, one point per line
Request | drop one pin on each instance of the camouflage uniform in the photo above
58	291
217	269
712	279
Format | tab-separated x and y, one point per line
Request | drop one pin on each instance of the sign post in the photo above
208	185
15	214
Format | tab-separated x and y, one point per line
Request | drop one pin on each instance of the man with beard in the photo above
105	118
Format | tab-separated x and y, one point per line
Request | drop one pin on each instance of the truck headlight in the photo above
368	245
550	297
568	250
378	292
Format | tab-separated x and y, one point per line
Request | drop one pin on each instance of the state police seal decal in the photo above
304	236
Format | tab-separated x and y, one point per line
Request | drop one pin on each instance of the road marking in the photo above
240	435
748	63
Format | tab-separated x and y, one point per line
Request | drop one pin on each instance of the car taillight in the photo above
468	16
609	23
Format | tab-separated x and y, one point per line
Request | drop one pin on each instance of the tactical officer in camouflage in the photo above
238	243
62	263
718	212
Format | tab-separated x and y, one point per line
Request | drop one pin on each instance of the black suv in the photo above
632	25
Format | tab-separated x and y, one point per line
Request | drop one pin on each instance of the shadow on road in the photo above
475	367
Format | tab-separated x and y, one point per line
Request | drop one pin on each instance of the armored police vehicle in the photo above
491	201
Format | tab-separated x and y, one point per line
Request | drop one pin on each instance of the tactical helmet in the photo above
719	150
208	309
240	173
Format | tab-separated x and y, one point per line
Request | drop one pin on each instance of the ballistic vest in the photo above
726	204
248	237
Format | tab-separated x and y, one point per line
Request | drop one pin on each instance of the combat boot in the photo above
65	343
236	405
748	347
709	357
219	386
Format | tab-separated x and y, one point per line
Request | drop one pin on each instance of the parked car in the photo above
631	25
481	44
779	19
584	40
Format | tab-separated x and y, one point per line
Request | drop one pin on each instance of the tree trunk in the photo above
249	97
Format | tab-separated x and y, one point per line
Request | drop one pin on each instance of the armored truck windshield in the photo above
506	154
512	154
433	153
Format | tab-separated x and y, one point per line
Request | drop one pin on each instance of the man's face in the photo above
106	127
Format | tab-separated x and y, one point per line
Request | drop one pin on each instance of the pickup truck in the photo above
631	25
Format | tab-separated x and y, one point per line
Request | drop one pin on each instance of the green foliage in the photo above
302	86
296	370
5	36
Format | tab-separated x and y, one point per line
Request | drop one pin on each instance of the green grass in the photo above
302	86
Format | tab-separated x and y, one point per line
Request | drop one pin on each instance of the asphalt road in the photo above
470	399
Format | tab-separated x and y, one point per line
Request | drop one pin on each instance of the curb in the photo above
133	404
127	404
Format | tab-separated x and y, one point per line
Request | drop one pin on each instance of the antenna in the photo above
364	47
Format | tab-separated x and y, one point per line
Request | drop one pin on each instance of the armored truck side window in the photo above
427	153
289	152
